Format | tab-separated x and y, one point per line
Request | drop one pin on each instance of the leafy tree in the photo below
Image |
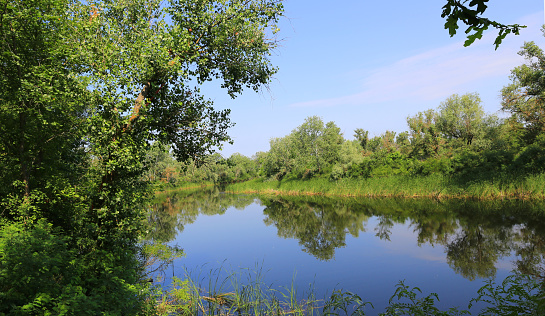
425	134
160	165
388	141
461	117
332	141
87	86
308	143
374	144
306	151
524	98
403	142
280	160
317	145
362	136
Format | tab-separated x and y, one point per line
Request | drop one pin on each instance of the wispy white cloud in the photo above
439	72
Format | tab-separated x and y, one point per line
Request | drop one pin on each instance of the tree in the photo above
426	138
471	15
87	87
362	136
280	159
461	117
317	145
524	98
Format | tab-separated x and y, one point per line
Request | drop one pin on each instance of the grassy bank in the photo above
161	189
432	186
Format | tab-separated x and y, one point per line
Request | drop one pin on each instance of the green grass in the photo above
434	186
181	186
226	295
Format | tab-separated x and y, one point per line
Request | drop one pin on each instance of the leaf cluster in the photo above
470	14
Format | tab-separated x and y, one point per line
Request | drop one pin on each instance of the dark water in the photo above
365	246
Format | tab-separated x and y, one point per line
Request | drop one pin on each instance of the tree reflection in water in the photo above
475	235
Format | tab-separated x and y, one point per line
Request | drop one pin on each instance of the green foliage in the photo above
88	86
405	301
347	302
523	98
455	11
40	273
426	138
311	149
461	117
531	158
516	295
362	136
436	165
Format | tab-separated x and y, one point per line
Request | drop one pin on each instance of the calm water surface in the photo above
365	246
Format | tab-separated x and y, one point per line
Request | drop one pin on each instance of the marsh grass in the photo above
225	295
430	186
229	293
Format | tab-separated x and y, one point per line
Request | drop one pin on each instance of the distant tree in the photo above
332	140
426	137
524	98
461	117
362	136
242	167
388	141
374	144
317	145
403	143
280	159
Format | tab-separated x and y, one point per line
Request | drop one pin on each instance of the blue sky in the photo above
371	64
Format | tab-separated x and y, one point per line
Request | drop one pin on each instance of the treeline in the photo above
165	171
458	140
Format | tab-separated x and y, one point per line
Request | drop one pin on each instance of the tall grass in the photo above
516	295
228	293
434	186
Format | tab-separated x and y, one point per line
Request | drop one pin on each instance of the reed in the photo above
431	186
226	294
518	294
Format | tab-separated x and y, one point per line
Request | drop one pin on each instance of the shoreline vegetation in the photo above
433	186
247	294
454	151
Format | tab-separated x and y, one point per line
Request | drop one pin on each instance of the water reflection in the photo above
170	212
474	235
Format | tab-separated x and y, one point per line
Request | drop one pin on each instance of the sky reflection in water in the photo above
363	246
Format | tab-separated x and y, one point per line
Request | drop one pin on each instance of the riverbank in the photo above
432	186
162	189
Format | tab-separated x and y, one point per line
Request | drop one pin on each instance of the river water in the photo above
365	246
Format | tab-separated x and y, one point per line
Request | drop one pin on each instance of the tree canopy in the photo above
87	87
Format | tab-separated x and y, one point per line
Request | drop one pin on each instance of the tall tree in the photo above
425	135
461	117
317	144
362	136
524	98
87	86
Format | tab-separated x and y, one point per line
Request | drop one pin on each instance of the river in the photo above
365	246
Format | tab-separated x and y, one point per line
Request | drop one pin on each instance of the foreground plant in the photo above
516	295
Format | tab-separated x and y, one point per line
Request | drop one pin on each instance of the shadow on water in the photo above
475	235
